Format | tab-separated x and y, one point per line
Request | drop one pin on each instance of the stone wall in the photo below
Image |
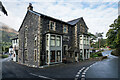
31	22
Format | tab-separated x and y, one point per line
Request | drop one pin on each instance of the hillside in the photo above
7	33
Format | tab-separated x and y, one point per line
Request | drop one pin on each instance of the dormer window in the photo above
52	25
65	29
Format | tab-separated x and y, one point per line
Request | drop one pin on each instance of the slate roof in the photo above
40	14
73	22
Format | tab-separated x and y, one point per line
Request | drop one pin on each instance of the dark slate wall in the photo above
59	29
79	29
31	21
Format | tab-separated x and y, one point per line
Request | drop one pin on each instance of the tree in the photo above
92	39
99	37
113	34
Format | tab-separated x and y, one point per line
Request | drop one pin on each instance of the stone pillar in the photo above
49	49
83	57
49	57
39	39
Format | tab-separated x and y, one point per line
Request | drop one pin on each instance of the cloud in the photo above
60	0
97	15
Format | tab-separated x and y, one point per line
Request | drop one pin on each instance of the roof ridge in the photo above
49	16
74	19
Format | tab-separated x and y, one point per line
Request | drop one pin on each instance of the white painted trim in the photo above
53	48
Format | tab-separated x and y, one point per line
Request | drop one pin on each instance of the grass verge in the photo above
4	56
96	54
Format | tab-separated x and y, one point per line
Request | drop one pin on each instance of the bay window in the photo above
58	41
47	40
52	43
58	57
52	55
35	55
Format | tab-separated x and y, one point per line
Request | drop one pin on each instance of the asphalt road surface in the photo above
86	70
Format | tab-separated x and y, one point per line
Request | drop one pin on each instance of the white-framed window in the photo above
58	41
65	29
35	55
35	40
52	56
25	42
47	40
52	25
58	57
52	39
26	55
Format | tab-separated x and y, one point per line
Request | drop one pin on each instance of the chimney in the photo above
30	7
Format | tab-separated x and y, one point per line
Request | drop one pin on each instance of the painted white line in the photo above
83	73
81	69
77	75
87	68
90	65
83	76
41	76
76	78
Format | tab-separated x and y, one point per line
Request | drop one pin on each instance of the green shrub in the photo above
95	55
4	56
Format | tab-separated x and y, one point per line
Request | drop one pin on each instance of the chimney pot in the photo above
30	7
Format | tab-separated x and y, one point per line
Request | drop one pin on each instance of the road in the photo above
86	70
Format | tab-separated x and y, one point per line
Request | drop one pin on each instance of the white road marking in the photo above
41	76
90	65
83	75
77	75
82	78
76	78
84	71
82	68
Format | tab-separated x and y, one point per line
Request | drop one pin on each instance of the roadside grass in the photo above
4	56
96	54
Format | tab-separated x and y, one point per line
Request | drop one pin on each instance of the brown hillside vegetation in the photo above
4	27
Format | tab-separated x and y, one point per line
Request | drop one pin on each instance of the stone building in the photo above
44	40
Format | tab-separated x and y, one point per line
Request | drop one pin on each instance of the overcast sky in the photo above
98	14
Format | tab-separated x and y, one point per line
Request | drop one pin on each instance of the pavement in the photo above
86	70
